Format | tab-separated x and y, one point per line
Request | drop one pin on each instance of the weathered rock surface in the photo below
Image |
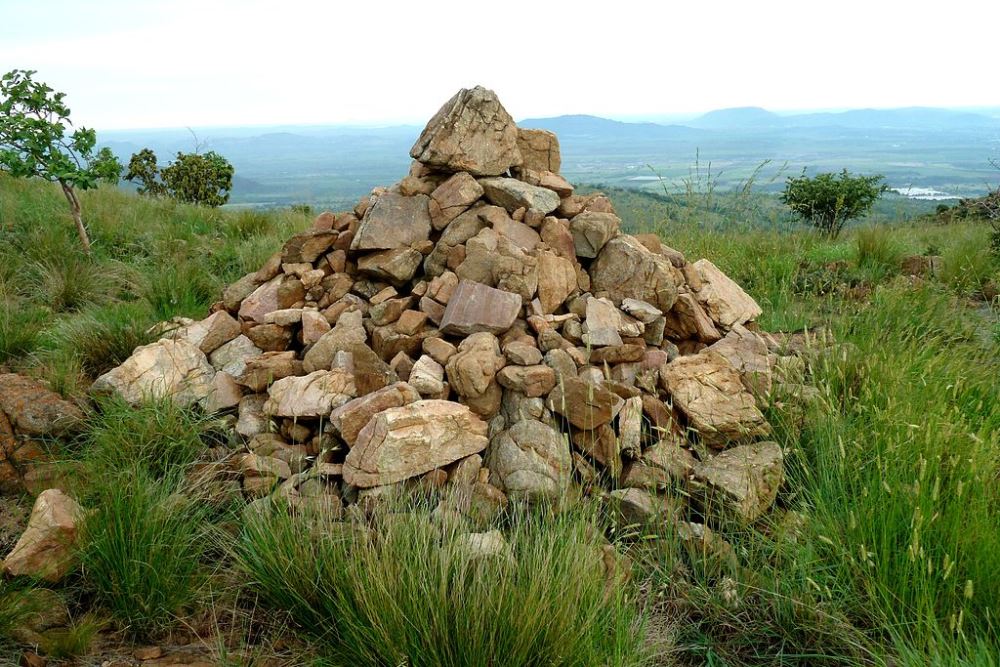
348	419
585	405
472	132
313	395
47	548
591	231
539	150
626	269
400	443
725	301
171	369
531	461
476	308
513	194
744	479
394	221
35	410
710	392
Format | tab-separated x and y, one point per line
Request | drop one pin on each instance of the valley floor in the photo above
885	551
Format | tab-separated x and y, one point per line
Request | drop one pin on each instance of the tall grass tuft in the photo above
142	549
411	595
159	437
878	250
99	338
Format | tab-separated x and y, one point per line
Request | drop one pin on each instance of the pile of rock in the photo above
480	327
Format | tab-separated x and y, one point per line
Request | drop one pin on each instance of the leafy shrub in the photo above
195	178
828	201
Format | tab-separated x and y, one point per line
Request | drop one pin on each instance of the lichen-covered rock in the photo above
172	369
400	443
472	132
531	461
707	389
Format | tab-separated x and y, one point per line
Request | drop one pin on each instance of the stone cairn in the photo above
477	327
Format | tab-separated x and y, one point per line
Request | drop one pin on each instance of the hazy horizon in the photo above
126	66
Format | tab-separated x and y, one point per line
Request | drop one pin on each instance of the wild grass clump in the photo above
878	251
142	549
70	283
16	606
969	265
100	338
159	437
20	327
410	594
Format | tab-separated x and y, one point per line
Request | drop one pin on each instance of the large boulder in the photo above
394	221
173	369
744	480
36	410
472	132
400	443
530	460
626	269
707	389
348	420
313	395
725	301
47	548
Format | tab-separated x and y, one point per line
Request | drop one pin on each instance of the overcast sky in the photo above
134	63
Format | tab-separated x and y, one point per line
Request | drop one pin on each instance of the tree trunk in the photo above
74	207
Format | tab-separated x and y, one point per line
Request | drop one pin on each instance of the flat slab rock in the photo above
513	194
711	393
400	443
476	308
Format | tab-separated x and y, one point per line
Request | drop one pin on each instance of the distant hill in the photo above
738	117
940	149
595	127
907	118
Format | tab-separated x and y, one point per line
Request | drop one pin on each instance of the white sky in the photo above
138	63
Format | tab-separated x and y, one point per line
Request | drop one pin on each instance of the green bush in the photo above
828	201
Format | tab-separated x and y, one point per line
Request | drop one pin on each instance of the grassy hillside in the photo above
885	550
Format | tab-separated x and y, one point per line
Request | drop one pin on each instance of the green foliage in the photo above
34	143
142	168
828	201
195	178
142	548
410	594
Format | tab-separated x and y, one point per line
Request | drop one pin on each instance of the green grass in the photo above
410	595
142	550
894	471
